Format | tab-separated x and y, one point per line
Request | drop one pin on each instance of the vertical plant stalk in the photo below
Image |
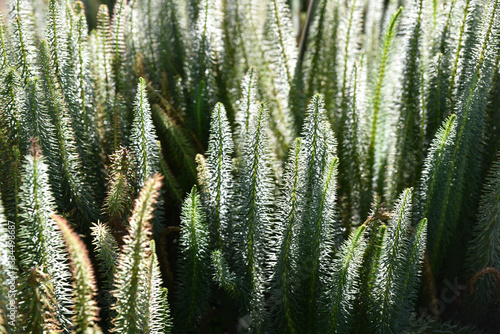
377	97
84	285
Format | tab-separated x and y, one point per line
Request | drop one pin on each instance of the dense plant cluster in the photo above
343	179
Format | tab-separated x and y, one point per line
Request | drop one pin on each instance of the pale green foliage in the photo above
345	282
45	258
248	105
281	54
78	90
3	44
118	44
107	251
23	48
138	305
144	143
375	152
7	271
409	134
321	60
402	94
220	149
252	213
14	110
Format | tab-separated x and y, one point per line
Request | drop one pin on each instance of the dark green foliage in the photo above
321	59
319	233
482	251
13	142
291	117
194	289
377	232
397	272
445	202
290	206
444	55
431	326
352	193
436	164
106	249
206	57
222	276
157	308
177	144
118	201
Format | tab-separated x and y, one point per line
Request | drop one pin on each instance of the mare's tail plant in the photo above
279	166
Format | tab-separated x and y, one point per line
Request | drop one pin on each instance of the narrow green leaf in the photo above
194	273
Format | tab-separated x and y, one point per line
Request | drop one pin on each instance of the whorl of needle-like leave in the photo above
144	142
398	270
40	242
84	288
118	201
219	165
131	285
194	270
